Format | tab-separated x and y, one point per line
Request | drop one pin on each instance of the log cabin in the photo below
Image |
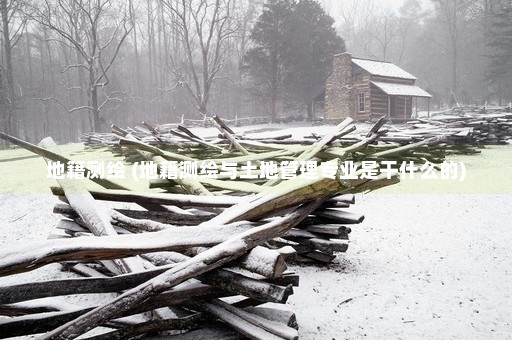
365	89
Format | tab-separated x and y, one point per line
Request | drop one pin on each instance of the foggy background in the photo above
70	66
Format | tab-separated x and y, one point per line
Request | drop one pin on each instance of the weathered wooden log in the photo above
242	285
298	234
312	150
263	261
187	134
84	270
286	279
152	149
206	261
394	151
249	324
74	229
266	262
316	147
33	324
285	317
95	218
229	134
19	310
340	216
191	185
36	290
138	225
328	245
284	195
37	323
334	204
319	256
376	127
27	257
157	216
167	199
272	263
346	198
331	230
209	331
56	157
276	154
155	325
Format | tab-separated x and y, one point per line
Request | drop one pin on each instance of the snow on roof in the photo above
401	90
382	68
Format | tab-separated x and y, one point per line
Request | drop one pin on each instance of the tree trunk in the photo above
454	69
309	106
93	100
274	86
9	77
61	134
273	104
29	60
500	90
202	109
95	109
140	84
81	83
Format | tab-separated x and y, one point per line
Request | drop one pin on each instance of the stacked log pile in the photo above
484	129
459	126
200	259
237	121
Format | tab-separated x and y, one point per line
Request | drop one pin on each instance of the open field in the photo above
431	260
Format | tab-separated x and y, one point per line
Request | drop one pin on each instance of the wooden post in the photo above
428	108
405	108
389	107
416	108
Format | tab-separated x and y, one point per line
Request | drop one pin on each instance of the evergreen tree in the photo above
293	43
313	43
266	59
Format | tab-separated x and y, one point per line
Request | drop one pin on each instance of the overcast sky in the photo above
390	3
333	5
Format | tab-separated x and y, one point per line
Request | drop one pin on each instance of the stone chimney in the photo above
339	94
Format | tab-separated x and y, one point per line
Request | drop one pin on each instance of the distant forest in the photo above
70	66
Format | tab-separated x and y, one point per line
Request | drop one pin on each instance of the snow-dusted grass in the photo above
431	260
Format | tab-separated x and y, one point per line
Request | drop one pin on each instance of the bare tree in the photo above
13	24
349	20
204	28
96	30
384	32
133	19
453	14
409	19
376	30
247	14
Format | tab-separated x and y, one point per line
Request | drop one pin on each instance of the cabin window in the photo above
360	100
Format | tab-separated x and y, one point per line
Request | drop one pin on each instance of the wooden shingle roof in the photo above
382	68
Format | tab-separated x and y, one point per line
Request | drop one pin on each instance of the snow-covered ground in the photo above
421	265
